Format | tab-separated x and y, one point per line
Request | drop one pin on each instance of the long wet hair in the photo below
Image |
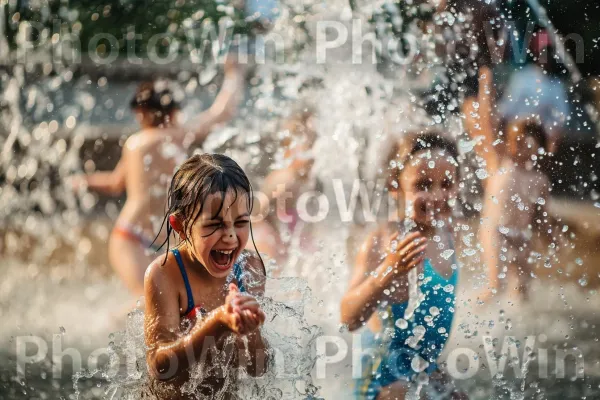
197	178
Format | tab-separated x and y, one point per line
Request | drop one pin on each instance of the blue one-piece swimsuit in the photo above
395	349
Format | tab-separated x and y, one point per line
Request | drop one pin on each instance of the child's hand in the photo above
243	311
405	254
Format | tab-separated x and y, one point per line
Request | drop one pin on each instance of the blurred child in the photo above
284	186
516	193
147	163
408	324
199	297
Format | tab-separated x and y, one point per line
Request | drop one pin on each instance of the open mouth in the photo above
222	259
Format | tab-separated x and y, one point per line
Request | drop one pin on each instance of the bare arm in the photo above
489	236
168	353
479	120
225	105
111	183
366	289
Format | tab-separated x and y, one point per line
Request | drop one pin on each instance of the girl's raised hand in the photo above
403	255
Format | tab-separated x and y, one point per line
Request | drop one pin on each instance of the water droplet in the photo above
418	364
401	323
62	330
541	201
446	254
434	311
469	252
481	173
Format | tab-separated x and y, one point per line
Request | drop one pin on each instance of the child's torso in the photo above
514	196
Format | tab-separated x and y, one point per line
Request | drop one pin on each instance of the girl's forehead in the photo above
233	202
429	165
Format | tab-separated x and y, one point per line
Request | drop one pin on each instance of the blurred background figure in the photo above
283	186
538	89
148	160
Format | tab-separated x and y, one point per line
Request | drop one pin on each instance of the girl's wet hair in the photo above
156	98
403	150
196	179
530	127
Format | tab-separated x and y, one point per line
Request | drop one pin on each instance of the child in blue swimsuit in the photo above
200	302
405	279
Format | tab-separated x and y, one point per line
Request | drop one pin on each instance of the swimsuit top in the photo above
192	311
425	329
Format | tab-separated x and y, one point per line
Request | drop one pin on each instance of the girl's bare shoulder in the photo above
162	272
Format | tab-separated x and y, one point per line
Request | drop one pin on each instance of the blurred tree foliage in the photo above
131	22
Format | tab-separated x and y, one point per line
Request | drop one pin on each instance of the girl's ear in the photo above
177	226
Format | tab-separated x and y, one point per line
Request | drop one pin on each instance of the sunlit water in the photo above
76	303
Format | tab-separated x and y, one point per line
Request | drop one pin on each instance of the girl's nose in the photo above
229	235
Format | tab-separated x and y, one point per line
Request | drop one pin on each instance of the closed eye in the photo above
423	185
447	184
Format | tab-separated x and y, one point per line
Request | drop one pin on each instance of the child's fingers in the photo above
261	316
419	250
415	262
236	322
253	307
410	247
246	301
233	288
409	239
247	320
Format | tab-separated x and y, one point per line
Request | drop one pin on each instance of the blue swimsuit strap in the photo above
237	271
188	288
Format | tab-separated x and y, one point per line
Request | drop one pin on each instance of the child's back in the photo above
150	157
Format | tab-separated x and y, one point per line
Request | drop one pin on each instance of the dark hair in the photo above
197	178
413	143
155	97
532	127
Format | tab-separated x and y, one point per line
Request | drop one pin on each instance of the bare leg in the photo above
524	277
129	260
